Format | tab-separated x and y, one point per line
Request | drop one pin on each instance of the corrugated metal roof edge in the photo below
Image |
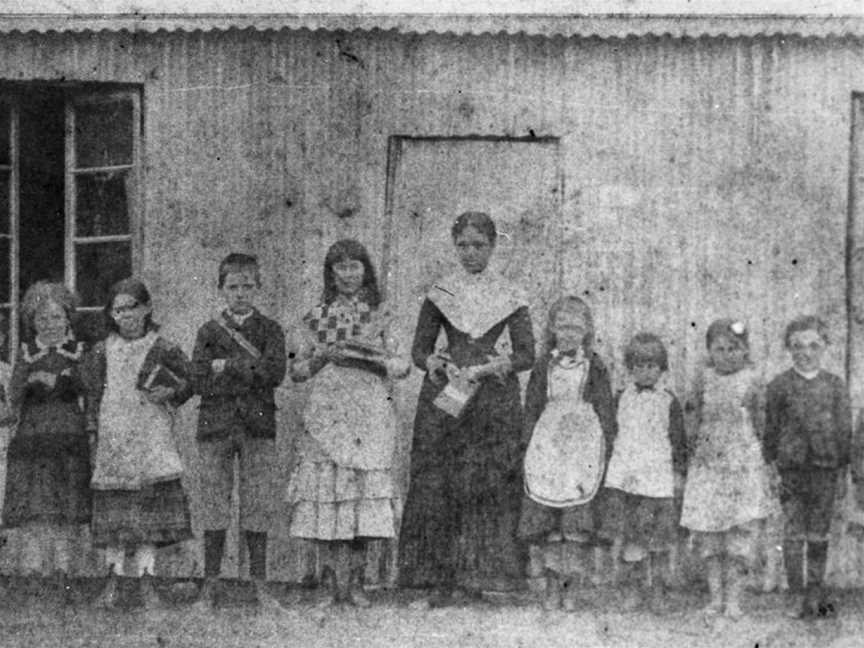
598	26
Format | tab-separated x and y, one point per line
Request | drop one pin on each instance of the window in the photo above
69	170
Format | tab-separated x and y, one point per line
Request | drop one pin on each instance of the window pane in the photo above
103	133
98	266
4	134
101	204
4	202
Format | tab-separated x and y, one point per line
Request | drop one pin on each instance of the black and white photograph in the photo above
481	324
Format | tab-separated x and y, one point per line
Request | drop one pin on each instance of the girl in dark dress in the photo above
48	475
462	508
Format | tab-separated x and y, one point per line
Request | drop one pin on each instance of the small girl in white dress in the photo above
727	493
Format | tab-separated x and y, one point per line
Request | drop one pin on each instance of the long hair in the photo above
43	292
568	302
134	288
350	250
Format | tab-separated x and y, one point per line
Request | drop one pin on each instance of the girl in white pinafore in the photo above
647	466
139	503
728	494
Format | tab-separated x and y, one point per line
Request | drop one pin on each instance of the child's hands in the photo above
397	367
160	394
46	378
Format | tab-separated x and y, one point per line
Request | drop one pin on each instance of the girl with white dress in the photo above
727	494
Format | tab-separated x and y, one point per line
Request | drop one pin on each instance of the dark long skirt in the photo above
47	480
462	508
157	514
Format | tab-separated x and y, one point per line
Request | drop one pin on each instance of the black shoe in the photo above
810	604
825	608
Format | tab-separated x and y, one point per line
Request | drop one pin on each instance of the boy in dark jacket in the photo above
238	361
807	438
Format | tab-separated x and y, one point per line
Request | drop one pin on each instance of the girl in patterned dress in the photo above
342	492
727	494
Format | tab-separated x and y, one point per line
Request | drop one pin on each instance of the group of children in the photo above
94	442
752	450
94	439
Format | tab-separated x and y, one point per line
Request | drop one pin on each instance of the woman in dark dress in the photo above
462	508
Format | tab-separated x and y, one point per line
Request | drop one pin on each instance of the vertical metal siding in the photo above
704	177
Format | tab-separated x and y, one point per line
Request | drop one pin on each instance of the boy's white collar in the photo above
807	375
240	319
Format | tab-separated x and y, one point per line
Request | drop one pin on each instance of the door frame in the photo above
855	254
394	154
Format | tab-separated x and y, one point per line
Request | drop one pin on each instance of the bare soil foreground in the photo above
33	614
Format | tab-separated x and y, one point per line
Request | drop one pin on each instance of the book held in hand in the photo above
160	376
457	393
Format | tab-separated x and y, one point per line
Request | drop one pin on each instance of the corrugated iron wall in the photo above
702	178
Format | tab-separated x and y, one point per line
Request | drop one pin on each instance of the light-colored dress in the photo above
342	487
727	479
641	462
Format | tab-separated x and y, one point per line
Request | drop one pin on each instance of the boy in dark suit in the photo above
808	431
238	361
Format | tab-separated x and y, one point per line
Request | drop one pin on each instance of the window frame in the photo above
10	99
72	171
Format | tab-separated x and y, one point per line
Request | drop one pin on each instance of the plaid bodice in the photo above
338	321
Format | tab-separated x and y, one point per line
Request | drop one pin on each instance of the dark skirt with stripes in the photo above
156	514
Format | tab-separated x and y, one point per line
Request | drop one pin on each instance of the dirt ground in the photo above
31	615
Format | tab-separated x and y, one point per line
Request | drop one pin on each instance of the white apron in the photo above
641	462
565	457
135	445
350	414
